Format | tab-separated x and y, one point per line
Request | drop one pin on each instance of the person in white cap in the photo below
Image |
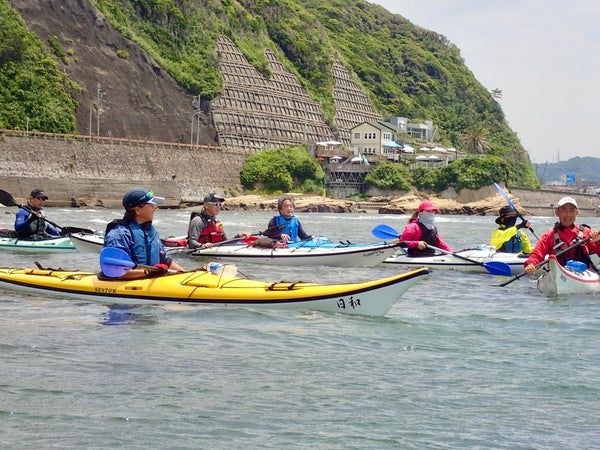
135	234
563	234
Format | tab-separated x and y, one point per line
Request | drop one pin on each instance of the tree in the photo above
476	139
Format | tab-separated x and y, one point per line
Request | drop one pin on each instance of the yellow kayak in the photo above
202	287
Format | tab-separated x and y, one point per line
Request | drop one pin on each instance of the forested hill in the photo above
405	70
588	167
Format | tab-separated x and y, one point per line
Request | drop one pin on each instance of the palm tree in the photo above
475	139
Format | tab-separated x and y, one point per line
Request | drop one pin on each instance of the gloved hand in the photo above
164	269
524	224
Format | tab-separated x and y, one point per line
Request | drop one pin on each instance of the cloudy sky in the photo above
543	54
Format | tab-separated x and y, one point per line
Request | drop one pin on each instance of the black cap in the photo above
212	198
506	211
39	193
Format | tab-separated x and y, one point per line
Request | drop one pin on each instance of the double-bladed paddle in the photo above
227	241
260	233
538	265
115	262
493	267
7	200
511	204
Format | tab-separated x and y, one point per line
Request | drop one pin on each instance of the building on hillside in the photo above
374	138
425	131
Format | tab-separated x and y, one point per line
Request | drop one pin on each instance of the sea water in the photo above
457	362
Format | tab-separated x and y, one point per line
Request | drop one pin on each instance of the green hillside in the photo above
406	70
32	89
588	167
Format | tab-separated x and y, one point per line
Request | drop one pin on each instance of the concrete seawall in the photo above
542	202
96	172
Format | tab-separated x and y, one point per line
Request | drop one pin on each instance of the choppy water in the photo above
458	362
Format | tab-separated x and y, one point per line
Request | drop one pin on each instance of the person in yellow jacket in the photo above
508	237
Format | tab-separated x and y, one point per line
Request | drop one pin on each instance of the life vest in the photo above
513	245
429	236
213	229
291	226
36	228
579	253
145	241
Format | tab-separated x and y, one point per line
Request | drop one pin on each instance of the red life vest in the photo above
213	232
580	253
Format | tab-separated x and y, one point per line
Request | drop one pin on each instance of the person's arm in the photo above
411	235
272	231
539	252
51	230
442	244
120	237
22	221
592	245
194	231
526	243
302	234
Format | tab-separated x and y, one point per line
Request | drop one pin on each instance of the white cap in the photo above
565	200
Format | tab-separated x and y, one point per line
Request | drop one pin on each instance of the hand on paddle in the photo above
422	245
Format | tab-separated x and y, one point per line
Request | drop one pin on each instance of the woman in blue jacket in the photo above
136	235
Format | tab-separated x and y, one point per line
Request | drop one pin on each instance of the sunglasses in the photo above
217	204
42	198
147	197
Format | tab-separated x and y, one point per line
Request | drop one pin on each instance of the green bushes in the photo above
389	176
282	170
33	92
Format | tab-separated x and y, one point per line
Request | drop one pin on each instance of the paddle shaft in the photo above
446	252
538	265
493	267
7	200
505	195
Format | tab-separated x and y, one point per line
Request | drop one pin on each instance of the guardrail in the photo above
115	140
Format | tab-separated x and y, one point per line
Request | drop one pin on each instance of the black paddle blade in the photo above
6	199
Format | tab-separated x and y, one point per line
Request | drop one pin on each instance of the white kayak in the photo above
93	242
560	280
481	255
88	242
339	255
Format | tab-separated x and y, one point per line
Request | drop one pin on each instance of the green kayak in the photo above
54	245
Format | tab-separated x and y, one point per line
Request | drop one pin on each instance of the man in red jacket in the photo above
563	234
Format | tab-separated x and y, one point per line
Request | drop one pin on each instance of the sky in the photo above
543	54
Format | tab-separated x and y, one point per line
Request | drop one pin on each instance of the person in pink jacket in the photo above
563	234
421	232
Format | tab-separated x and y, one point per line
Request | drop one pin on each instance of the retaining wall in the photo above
98	171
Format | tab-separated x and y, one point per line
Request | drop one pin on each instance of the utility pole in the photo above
195	121
100	94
